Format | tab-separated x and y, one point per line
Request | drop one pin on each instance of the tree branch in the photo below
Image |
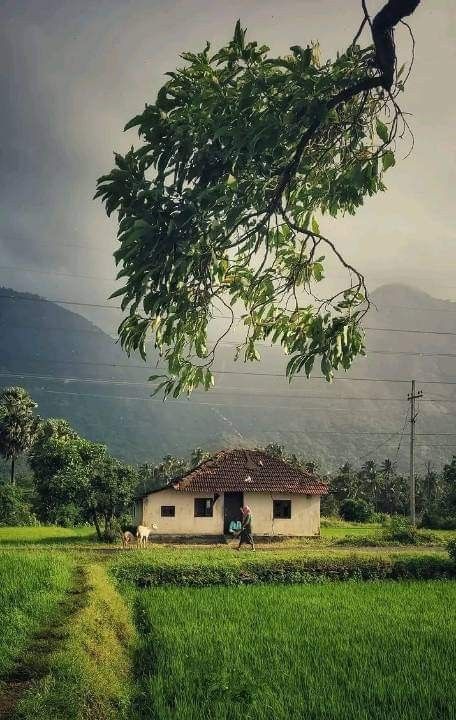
385	55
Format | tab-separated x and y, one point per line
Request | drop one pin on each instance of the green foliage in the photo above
452	550
14	507
219	206
401	530
434	521
155	476
73	472
18	424
355	510
188	573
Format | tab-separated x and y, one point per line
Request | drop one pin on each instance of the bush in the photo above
68	516
14	508
297	570
434	521
355	510
451	547
380	518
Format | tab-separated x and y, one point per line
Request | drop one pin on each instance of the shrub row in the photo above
300	570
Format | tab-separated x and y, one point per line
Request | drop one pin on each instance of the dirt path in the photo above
34	663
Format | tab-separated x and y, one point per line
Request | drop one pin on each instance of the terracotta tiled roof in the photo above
249	471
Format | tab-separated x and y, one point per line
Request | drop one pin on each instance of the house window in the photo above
168	510
282	509
203	507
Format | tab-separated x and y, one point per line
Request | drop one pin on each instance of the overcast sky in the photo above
74	71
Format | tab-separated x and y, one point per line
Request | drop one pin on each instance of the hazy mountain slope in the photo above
335	422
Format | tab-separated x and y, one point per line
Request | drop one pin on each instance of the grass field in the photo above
46	535
324	651
329	652
30	589
89	675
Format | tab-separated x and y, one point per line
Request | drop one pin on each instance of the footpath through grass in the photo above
328	652
30	588
89	675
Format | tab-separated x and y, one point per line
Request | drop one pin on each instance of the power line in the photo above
57	273
230	405
401	436
221	390
57	328
238	372
418	332
118	307
372	279
61	302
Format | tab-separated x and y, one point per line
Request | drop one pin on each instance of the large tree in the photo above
220	206
71	471
18	424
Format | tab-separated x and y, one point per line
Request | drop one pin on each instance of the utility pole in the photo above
411	398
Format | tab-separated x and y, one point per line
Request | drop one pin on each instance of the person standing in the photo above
246	528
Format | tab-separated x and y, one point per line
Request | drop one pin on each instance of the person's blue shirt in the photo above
235	526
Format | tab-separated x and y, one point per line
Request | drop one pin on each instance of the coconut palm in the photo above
18	424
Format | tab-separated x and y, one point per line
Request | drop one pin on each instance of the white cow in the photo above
143	532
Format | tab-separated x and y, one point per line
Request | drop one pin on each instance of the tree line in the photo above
70	480
379	488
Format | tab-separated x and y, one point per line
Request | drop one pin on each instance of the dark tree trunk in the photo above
12	478
97	525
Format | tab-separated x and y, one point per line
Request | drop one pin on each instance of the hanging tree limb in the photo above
218	206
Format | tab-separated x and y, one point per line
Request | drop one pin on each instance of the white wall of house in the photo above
304	520
184	521
305	514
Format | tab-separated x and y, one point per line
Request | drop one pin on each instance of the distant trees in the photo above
155	476
18	424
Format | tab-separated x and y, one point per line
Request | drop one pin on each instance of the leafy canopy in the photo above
220	205
18	424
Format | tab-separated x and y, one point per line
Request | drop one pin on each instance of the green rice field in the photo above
328	652
30	589
46	535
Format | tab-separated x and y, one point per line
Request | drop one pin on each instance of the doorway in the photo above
232	503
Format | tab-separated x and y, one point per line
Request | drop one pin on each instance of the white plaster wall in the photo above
184	522
304	521
305	514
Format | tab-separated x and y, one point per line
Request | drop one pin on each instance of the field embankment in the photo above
89	675
201	569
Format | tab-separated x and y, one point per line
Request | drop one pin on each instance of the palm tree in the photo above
18	424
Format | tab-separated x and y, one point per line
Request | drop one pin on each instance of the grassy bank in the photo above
89	676
324	652
207	569
31	587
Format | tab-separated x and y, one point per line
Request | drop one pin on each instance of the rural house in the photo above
284	500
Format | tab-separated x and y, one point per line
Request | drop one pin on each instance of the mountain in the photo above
75	370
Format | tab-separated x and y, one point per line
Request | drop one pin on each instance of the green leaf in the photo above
388	160
382	131
315	226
